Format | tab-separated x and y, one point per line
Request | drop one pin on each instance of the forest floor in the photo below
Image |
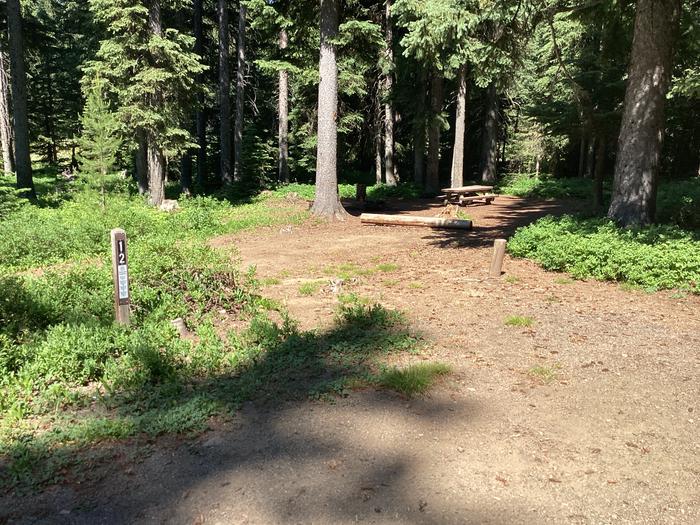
587	415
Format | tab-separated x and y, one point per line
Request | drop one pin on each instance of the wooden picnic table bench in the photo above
466	194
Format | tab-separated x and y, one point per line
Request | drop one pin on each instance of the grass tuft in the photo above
310	288
543	374
413	379
519	320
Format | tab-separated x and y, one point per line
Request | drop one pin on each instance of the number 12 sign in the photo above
120	273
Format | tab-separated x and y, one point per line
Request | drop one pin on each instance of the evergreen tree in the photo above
151	73
100	140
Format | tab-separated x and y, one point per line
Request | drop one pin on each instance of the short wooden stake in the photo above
120	274
499	251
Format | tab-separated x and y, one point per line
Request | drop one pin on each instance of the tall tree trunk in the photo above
642	130
240	99
156	171
283	115
23	163
590	157
457	178
582	154
489	145
389	158
141	162
419	130
186	174
327	202
201	118
432	179
154	150
599	172
224	95
378	125
51	147
8	160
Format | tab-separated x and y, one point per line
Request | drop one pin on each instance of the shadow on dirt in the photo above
283	457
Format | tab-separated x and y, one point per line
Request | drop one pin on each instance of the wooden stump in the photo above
499	252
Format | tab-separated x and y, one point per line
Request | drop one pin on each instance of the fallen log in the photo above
413	220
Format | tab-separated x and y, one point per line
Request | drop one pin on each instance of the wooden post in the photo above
120	275
499	251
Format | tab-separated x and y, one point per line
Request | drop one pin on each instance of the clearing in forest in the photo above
556	401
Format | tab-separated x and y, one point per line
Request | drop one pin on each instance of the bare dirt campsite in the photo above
322	262
567	402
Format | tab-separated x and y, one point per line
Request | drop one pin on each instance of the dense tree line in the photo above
218	93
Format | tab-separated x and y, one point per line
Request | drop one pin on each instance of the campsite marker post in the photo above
120	274
499	251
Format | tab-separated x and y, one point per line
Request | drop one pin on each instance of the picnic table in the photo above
467	194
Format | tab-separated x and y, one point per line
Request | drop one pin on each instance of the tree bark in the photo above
156	171
590	157
154	150
141	162
201	119
23	164
457	178
8	160
490	136
641	133
327	202
186	174
599	172
283	115
378	153
240	100
419	130
582	154
224	95
432	179
389	157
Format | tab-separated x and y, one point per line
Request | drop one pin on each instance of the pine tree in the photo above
151	73
100	139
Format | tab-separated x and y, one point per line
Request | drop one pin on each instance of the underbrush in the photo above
657	257
79	228
70	378
545	186
347	191
83	384
678	201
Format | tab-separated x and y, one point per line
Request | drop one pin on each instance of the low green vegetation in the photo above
545	186
543	374
347	191
347	271
387	267
71	378
309	288
657	257
519	320
413	379
75	226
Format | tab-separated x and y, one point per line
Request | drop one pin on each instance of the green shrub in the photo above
545	186
678	203
656	257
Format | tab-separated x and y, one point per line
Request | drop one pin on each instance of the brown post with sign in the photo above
120	275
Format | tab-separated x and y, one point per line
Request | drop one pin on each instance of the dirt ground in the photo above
588	416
